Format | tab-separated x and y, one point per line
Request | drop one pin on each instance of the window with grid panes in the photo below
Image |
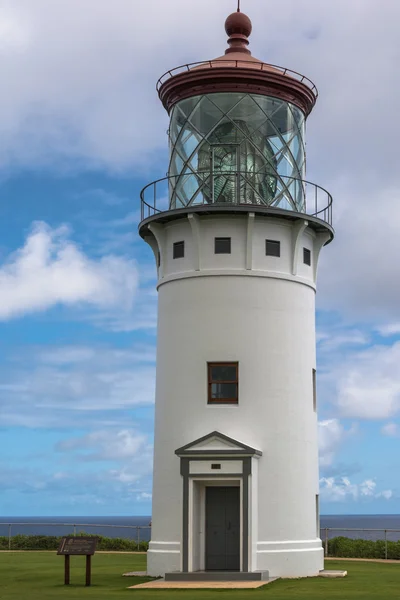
223	383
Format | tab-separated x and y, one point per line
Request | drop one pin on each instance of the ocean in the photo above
373	526
138	527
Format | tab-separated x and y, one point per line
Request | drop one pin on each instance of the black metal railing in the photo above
215	64
292	194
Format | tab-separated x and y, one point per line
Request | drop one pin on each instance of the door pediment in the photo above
217	444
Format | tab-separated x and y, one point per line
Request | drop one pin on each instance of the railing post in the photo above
316	199
138	536
9	536
326	541
386	545
74	530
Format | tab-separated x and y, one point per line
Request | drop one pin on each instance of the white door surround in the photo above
214	460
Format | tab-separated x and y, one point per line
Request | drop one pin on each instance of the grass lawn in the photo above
40	575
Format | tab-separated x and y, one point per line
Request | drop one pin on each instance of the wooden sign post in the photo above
77	546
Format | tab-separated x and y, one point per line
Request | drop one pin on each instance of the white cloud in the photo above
105	487
106	197
76	86
387	494
340	489
130	452
15	33
64	386
367	488
389	329
108	445
80	95
368	385
331	436
51	270
337	489
358	271
144	497
110	467
390	429
92	96
328	341
144	316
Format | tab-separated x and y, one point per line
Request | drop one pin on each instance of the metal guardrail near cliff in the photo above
142	533
134	533
371	534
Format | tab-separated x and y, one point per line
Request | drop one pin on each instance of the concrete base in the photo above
163	557
332	574
291	559
281	559
217	576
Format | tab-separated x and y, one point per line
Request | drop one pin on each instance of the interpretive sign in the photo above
77	546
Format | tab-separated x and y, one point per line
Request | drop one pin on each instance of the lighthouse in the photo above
236	231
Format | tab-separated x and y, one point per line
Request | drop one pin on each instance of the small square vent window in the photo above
222	245
272	248
307	256
179	249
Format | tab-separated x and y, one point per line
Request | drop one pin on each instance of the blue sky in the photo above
82	132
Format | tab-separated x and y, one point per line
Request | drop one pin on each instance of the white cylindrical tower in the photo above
235	488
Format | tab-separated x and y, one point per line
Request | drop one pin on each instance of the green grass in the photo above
40	575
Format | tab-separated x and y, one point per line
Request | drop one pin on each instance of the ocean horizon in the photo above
138	527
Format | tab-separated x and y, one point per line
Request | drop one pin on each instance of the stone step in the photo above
217	576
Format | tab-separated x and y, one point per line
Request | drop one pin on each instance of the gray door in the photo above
222	528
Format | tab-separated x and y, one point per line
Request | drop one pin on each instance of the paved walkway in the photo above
160	584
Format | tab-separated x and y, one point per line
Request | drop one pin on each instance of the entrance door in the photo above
222	528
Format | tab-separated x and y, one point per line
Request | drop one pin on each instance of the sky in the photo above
82	131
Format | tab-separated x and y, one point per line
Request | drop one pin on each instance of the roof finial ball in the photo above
238	26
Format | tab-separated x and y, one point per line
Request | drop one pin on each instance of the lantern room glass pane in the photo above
239	149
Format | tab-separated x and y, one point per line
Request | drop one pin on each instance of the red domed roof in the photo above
237	70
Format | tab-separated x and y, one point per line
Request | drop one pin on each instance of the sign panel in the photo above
79	545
